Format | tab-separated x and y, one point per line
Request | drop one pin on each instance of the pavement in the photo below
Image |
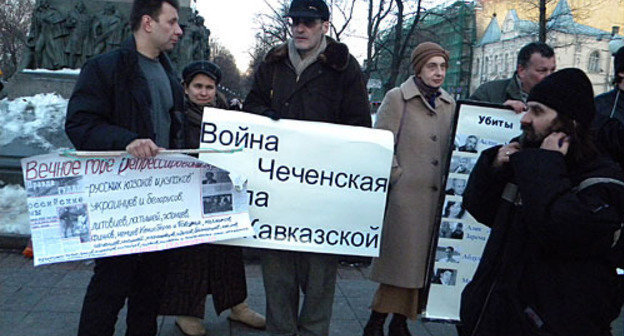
46	301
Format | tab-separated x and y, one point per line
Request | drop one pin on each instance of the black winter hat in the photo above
569	92
308	9
201	67
618	61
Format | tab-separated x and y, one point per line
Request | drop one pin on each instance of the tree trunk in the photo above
542	21
396	48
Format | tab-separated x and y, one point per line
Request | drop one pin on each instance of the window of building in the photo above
477	65
495	67
505	65
594	62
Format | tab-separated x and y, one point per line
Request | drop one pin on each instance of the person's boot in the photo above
375	324
190	325
242	313
398	326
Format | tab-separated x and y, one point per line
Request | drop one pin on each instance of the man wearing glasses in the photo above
310	77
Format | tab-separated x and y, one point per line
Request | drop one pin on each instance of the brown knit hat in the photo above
423	52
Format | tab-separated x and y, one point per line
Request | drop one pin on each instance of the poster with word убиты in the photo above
460	239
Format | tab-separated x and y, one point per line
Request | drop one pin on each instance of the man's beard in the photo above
531	139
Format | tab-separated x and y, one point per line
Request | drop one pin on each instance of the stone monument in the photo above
63	35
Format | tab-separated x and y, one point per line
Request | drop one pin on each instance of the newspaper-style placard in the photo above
460	238
99	207
313	186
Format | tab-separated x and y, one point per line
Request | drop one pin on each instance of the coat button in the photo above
434	138
286	103
431	114
435	162
434	188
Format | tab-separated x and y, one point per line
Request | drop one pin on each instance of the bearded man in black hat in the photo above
548	267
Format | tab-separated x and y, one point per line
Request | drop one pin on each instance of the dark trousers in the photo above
285	273
136	277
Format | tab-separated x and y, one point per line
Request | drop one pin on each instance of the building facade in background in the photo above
453	27
576	45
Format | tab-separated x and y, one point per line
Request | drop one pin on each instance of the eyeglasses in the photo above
308	22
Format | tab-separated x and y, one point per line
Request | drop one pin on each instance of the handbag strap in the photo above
403	113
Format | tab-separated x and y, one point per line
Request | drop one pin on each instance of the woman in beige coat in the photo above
420	114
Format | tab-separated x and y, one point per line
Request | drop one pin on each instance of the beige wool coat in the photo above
419	162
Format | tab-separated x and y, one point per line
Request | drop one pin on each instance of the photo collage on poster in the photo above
215	188
461	238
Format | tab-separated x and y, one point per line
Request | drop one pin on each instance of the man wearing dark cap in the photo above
610	113
310	77
555	206
611	104
536	60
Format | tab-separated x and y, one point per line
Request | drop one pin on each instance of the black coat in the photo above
198	270
203	269
606	104
110	104
548	258
331	89
194	114
609	124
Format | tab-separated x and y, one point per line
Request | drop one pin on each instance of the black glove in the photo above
272	114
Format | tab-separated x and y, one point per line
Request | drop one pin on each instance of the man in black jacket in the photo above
311	77
129	99
548	267
611	104
610	113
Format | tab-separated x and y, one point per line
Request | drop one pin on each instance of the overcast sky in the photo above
232	23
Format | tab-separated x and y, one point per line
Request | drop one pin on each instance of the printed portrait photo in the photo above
451	230
448	254
467	143
456	186
454	210
461	164
445	277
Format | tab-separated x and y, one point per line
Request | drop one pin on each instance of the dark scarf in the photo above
429	92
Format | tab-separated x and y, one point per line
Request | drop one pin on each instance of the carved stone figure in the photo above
200	36
80	44
50	31
108	30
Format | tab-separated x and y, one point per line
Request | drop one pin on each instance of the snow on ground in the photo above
13	210
36	122
64	71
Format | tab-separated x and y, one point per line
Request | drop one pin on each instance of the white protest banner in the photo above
313	186
461	239
99	207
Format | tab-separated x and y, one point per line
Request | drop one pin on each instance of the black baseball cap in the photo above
201	67
308	9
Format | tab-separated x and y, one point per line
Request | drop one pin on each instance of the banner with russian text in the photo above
313	186
460	238
100	207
